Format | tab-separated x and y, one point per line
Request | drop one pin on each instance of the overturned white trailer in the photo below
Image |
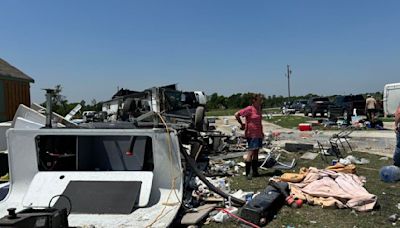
103	177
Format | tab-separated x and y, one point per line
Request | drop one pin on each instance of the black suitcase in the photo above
264	206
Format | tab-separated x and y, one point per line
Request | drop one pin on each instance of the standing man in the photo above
396	156
253	133
370	108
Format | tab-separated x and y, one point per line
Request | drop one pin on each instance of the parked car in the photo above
317	105
344	106
287	108
299	105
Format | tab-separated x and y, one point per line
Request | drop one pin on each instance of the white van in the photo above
391	98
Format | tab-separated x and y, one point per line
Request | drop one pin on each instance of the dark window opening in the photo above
94	153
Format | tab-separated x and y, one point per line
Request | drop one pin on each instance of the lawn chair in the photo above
272	162
343	136
326	152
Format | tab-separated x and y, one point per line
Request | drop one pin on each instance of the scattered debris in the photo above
353	212
393	218
309	156
223	215
271	161
353	160
296	147
200	213
384	158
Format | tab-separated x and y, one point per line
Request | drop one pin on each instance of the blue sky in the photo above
93	47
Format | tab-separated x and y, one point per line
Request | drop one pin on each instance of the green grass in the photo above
272	110
388	198
222	112
387	119
288	121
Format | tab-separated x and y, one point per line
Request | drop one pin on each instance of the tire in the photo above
129	107
314	114
199	118
206	124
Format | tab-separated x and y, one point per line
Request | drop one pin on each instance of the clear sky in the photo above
93	47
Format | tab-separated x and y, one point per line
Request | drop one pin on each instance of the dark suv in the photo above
317	105
343	106
298	105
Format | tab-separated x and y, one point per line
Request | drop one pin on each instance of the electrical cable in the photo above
161	215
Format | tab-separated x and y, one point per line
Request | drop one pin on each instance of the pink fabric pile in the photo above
329	188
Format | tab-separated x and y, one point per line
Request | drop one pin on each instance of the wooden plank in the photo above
2	102
13	99
8	98
27	100
198	216
28	90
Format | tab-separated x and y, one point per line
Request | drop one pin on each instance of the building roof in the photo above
9	71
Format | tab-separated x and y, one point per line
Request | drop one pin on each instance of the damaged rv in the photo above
124	173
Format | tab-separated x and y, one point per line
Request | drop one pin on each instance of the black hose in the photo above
66	197
210	186
131	145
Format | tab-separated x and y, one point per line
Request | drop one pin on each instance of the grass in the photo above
288	121
272	110
222	112
315	216
387	119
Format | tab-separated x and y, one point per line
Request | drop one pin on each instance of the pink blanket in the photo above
328	188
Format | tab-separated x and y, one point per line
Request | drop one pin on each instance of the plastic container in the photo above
226	121
305	127
390	173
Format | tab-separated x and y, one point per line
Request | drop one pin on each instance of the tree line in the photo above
240	100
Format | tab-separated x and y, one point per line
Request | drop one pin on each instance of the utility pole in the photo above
289	71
